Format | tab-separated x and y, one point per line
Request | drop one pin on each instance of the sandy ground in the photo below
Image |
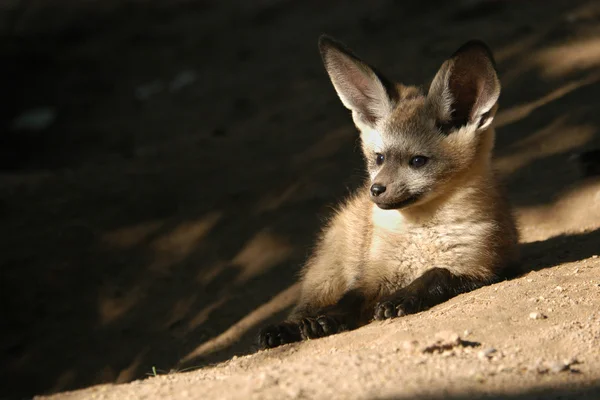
161	217
528	338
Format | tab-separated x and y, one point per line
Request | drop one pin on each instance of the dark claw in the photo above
384	310
323	325
328	325
408	305
400	312
310	328
277	335
395	308
305	329
269	337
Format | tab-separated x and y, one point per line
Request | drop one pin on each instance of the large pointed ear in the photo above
361	88
466	88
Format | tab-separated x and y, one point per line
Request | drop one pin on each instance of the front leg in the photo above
433	287
304	324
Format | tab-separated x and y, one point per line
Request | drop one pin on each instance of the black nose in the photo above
377	189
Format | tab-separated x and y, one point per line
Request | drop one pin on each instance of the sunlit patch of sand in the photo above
169	249
112	306
544	143
575	210
203	314
173	247
181	240
521	111
130	372
278	303
570	57
132	235
261	253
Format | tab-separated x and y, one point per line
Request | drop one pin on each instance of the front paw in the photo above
277	335
321	326
396	307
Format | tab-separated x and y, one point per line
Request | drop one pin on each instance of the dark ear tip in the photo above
326	42
476	45
324	39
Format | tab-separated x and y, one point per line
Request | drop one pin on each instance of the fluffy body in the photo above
437	230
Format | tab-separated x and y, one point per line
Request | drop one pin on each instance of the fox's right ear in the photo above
361	88
466	88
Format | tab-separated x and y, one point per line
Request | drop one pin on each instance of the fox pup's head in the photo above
417	145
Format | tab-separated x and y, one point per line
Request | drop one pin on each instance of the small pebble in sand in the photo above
486	354
571	361
558	366
445	340
537	315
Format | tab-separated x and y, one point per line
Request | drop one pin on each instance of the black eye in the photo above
418	161
379	159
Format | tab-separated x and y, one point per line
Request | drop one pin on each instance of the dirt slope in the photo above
501	350
161	218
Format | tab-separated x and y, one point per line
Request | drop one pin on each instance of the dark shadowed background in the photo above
165	165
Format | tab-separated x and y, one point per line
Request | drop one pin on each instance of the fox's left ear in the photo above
466	88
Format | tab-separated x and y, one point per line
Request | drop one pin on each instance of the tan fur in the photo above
462	223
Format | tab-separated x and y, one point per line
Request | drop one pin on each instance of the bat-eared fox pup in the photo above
431	222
